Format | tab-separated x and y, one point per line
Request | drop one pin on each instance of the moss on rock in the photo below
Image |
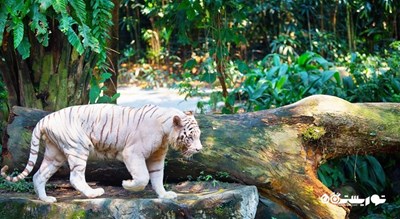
313	133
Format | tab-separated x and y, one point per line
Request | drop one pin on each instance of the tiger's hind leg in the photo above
52	161
77	164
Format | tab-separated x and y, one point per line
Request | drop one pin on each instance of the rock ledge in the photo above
195	200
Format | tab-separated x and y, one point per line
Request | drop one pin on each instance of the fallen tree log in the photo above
278	150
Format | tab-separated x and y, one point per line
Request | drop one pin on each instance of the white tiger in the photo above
137	136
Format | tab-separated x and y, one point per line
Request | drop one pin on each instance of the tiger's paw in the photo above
133	186
169	195
48	199
95	193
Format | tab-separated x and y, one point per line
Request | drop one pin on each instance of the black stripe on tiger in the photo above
154	171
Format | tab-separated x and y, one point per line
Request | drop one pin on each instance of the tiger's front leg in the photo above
136	166
156	172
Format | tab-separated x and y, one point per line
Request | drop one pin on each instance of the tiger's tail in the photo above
35	141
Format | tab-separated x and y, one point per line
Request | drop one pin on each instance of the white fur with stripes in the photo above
137	136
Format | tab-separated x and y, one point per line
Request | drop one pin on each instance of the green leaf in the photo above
45	4
326	75
94	91
377	169
271	72
88	39
303	59
277	60
104	76
66	23
24	48
230	99
18	31
279	84
190	64
60	6
39	25
259	91
337	78
80	9
115	97
283	69
104	99
3	20
75	41
326	180
208	77
242	66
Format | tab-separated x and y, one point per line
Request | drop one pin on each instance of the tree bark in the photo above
278	150
113	55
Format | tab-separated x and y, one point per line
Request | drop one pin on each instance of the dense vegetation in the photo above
255	55
252	55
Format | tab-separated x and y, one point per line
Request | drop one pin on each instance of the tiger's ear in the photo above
189	113
177	122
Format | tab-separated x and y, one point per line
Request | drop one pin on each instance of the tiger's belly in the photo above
110	153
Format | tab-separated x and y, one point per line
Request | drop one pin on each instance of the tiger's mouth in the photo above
188	152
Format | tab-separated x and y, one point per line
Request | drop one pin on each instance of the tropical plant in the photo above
365	173
83	24
273	83
359	175
372	79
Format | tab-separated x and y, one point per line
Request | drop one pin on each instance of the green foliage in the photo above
385	210
273	83
211	178
285	45
97	88
359	175
85	24
247	30
3	104
20	186
75	18
372	79
364	172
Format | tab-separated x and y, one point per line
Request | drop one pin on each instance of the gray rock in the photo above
195	200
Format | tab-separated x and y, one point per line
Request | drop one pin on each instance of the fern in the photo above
88	39
84	28
60	6
101	23
18	27
24	48
39	25
66	23
44	4
80	9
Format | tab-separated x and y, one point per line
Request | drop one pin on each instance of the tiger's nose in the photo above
198	147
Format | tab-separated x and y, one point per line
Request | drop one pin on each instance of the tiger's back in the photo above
103	130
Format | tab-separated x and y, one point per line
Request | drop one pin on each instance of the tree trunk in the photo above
349	28
113	54
278	150
51	78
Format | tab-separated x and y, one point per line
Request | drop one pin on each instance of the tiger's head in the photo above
188	138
